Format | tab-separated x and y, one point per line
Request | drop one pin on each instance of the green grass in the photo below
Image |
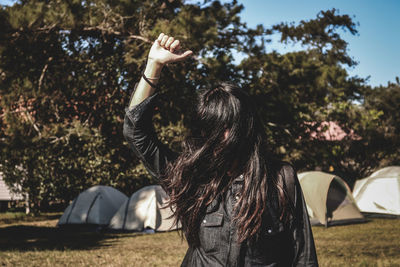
26	241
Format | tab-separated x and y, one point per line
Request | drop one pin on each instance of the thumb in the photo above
185	55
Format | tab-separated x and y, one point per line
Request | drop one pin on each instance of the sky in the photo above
375	47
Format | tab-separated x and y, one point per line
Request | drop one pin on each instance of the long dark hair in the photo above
226	139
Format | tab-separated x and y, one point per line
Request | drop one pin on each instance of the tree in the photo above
67	68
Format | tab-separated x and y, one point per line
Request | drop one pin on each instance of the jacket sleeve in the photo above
305	253
139	132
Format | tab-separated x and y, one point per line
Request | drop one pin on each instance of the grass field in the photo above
35	241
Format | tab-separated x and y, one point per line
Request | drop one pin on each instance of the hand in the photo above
167	50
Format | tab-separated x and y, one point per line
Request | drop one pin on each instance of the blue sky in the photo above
376	47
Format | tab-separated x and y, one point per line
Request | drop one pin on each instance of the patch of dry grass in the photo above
40	243
375	243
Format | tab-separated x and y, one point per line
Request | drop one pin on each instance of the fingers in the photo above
174	46
160	37
169	42
164	40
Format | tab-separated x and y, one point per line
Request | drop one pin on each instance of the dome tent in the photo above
146	208
95	205
329	199
379	194
7	195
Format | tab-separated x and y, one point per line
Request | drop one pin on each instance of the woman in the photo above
237	207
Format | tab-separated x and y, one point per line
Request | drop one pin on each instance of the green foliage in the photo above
383	101
67	67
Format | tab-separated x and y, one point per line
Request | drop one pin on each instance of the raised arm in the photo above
138	128
163	51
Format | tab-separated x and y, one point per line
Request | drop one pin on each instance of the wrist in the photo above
153	68
153	64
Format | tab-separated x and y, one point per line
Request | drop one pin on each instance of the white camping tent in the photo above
144	209
95	205
379	193
6	195
328	198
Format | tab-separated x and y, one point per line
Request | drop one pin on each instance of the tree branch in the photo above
43	73
33	123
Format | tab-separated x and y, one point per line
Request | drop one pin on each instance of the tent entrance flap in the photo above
336	198
328	198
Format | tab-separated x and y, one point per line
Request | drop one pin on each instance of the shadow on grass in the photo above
9	218
27	238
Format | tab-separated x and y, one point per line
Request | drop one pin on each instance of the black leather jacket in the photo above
289	244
